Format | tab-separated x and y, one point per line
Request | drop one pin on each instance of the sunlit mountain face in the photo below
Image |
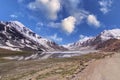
63	21
17	37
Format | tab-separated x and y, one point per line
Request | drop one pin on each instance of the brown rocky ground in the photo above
109	45
75	68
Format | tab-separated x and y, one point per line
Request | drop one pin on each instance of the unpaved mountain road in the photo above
104	69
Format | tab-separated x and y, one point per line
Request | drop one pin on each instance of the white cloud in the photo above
68	24
54	25
105	5
13	16
80	16
73	8
55	38
49	7
39	24
92	20
84	38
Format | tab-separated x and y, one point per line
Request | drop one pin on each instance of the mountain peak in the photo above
94	41
110	34
18	23
20	37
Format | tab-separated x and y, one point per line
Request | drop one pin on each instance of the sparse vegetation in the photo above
5	52
63	68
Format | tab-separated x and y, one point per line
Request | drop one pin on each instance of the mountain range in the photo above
15	36
108	40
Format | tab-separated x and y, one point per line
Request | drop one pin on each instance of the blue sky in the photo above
63	21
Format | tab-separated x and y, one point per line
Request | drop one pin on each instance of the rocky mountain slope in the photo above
105	40
109	45
15	36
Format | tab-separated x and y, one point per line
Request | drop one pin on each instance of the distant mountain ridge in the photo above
15	36
105	37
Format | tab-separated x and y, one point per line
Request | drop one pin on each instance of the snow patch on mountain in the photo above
15	34
83	41
91	42
110	34
10	48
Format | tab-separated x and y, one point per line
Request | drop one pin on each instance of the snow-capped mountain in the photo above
94	42
110	34
81	44
15	36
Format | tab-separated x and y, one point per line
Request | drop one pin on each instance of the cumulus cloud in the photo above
56	11
68	24
105	5
49	7
92	20
73	8
55	38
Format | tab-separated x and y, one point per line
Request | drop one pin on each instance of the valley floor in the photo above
94	66
104	69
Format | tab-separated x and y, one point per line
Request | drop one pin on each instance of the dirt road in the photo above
104	69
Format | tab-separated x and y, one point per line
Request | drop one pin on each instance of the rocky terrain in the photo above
105	40
110	45
15	36
49	69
